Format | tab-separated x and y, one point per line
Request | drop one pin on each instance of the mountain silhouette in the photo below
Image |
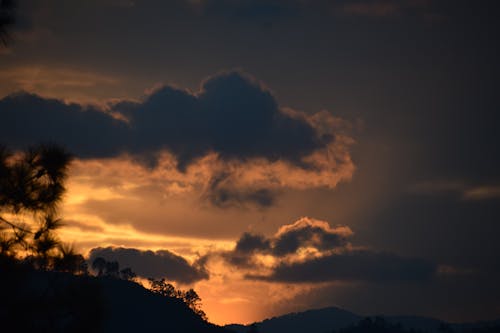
333	318
311	321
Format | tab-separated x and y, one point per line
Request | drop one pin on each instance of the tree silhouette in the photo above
163	288
99	265
7	19
104	268
38	294
31	187
70	261
190	297
127	274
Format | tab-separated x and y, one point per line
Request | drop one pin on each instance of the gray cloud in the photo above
232	115
353	266
246	246
161	263
249	243
222	192
86	131
304	233
335	259
313	234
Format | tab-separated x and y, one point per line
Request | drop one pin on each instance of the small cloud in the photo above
460	189
309	233
437	187
307	237
482	193
311	251
154	264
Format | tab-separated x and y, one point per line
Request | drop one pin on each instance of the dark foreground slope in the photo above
132	308
38	301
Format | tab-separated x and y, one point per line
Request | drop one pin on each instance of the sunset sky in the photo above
275	155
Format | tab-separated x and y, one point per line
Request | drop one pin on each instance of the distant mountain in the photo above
332	318
311	321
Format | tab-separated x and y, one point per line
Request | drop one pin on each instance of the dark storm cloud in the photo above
352	266
231	115
158	264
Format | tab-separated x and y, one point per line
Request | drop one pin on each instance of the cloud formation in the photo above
353	266
310	251
231	131
231	114
157	264
304	238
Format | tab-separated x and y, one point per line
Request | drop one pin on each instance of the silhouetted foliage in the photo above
190	297
99	265
164	288
127	274
111	269
7	19
47	301
40	292
31	187
70	261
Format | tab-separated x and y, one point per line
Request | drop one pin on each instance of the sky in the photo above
276	155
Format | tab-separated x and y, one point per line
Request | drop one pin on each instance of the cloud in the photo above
352	266
161	263
72	83
86	131
311	251
482	193
459	189
308	232
305	238
231	114
232	131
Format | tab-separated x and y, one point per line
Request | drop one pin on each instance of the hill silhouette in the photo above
320	320
49	301
336	319
132	308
